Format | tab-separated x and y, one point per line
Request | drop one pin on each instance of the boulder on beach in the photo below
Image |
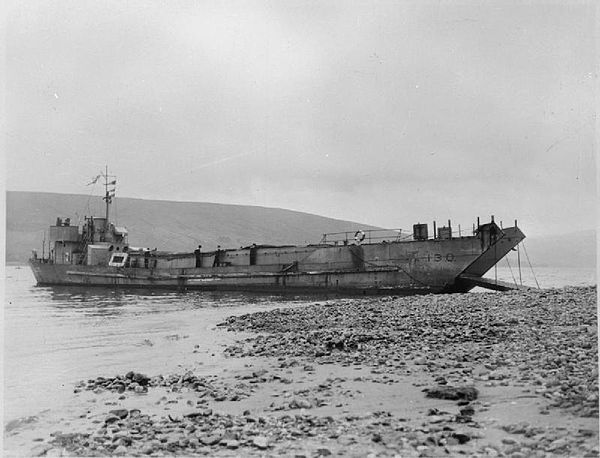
453	393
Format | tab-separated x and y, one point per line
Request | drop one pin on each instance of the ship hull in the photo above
411	267
379	282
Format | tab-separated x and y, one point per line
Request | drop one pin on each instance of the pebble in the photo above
121	413
261	442
557	445
232	443
211	439
120	450
111	418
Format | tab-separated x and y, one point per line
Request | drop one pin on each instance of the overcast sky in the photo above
383	112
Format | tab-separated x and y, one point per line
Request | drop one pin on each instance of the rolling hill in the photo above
575	249
177	226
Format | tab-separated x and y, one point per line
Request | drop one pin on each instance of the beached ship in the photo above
97	253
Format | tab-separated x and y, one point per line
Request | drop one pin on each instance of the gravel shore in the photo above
491	374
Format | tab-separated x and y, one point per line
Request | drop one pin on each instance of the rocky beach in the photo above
477	374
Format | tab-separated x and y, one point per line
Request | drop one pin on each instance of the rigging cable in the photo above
181	234
496	264
530	267
519	262
87	205
511	272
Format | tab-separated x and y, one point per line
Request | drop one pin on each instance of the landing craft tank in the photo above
362	262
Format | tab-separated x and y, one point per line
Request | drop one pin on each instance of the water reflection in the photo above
82	296
75	303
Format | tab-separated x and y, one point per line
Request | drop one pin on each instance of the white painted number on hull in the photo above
438	257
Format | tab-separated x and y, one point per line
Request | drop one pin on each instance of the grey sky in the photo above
384	112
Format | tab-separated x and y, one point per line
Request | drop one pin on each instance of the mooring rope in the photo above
530	266
511	272
519	262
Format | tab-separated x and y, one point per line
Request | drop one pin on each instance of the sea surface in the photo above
57	336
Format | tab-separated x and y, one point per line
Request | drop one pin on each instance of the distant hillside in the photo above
177	226
576	249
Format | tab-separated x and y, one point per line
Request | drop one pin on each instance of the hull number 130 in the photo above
437	257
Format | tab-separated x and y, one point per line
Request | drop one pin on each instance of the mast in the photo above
108	195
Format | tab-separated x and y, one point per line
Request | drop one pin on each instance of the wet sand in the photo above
511	374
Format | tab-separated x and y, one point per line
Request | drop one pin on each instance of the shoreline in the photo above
348	377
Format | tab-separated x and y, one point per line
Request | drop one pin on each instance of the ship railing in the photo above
366	236
40	260
392	235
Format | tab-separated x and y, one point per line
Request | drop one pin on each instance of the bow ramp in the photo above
496	244
488	283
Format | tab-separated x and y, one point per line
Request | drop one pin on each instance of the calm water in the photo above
57	336
547	277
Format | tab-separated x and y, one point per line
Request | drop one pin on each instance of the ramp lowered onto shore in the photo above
489	283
